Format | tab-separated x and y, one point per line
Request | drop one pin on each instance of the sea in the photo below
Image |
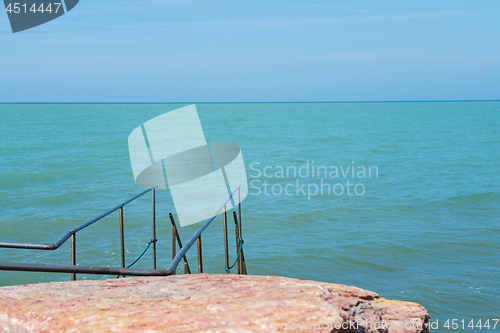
400	198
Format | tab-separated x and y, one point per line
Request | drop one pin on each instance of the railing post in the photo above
239	206
242	256
237	235
154	230
122	238
73	254
174	245
225	239
175	233
200	259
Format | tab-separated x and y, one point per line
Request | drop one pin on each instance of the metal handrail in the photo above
182	252
10	266
66	236
72	234
74	269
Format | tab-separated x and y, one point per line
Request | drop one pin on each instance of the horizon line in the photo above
272	102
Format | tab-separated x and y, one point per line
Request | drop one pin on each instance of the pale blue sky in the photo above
214	50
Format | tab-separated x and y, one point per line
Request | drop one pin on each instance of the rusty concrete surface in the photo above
204	303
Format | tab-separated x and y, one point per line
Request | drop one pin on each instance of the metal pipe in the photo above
242	257
190	242
66	236
122	238
225	240
239	207
200	258
186	264
10	266
154	229
73	255
174	246
237	235
81	269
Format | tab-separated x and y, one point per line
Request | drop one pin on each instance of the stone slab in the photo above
203	303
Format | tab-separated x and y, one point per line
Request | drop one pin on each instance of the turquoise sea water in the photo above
427	229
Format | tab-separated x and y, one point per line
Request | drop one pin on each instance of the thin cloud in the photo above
344	8
299	23
230	26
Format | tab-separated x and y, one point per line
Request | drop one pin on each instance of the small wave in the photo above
476	197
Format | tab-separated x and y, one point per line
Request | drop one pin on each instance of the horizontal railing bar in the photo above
49	268
194	238
63	239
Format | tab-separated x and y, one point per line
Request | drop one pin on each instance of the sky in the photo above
256	51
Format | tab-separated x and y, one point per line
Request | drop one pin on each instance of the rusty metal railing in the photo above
10	266
181	255
72	234
124	271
